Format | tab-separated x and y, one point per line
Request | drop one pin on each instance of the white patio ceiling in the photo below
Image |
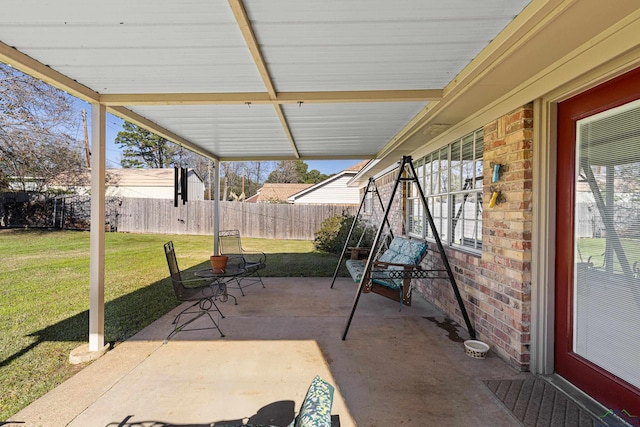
255	79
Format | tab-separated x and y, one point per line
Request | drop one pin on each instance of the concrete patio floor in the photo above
396	368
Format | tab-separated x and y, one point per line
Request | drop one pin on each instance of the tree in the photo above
230	177
295	171
286	171
314	176
142	148
240	178
36	124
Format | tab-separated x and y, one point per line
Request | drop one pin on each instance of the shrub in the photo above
334	230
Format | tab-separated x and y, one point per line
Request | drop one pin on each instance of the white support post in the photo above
96	346
216	206
98	152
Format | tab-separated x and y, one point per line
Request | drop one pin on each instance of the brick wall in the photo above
502	295
496	286
385	185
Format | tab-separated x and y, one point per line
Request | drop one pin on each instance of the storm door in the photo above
597	343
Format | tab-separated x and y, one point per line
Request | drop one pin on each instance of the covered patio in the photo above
254	80
396	368
242	80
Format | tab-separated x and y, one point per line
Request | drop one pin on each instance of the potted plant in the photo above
219	263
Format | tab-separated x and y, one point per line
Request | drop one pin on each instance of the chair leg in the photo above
260	278
215	324
180	328
205	307
206	304
235	300
252	278
175	320
239	285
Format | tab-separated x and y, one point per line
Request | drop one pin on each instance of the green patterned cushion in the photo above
401	251
416	250
316	406
393	250
404	251
383	279
403	259
356	268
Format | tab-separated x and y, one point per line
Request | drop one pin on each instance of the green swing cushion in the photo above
355	268
401	251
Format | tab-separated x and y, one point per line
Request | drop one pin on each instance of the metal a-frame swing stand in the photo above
371	188
407	173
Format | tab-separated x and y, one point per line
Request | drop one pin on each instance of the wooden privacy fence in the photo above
159	216
278	221
262	220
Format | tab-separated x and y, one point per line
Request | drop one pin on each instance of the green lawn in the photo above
593	249
44	295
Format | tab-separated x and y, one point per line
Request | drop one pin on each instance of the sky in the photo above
331	166
114	125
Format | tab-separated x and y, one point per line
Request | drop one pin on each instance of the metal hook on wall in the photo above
496	196
498	170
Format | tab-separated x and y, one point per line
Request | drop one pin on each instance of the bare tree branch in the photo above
36	124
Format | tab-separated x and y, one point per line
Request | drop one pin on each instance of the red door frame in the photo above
608	389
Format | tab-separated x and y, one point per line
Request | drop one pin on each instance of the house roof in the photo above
271	192
283	79
358	166
350	171
252	199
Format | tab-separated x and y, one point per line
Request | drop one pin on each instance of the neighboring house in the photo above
253	199
145	183
26	184
276	193
333	190
151	183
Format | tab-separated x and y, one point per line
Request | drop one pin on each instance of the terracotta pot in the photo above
219	263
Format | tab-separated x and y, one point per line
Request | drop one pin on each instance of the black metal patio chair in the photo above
251	262
201	292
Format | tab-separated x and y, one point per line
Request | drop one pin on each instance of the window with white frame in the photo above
451	179
368	202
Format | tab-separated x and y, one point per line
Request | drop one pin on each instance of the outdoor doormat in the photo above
536	403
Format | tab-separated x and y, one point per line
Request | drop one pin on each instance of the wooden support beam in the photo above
332	97
131	99
354	96
28	65
139	120
252	43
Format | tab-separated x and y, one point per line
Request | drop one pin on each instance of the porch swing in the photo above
388	271
358	249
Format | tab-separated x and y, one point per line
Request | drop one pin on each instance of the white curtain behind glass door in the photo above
606	292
